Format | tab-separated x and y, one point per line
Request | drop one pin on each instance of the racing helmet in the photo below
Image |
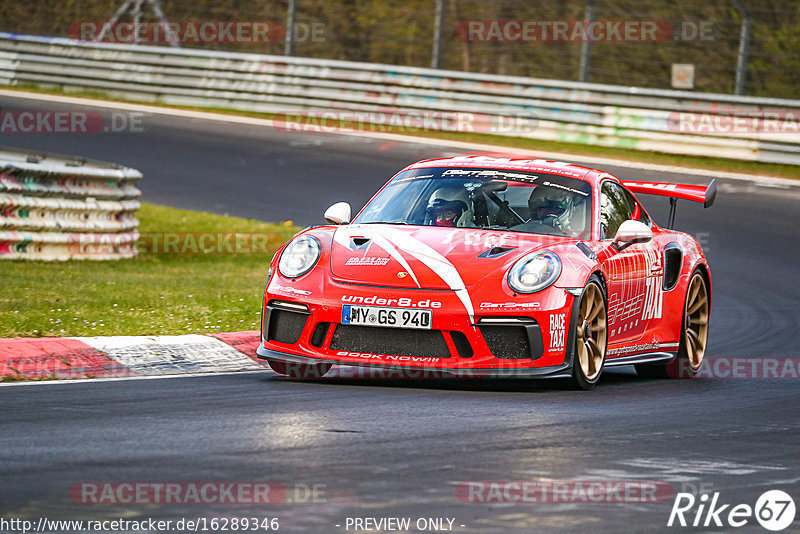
447	206
552	206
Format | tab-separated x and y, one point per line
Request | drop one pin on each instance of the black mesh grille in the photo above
462	344
507	342
285	326
392	341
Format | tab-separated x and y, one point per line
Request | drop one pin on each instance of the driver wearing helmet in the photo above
553	207
448	206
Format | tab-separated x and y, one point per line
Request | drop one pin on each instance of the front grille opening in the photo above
462	344
285	326
507	342
391	341
318	337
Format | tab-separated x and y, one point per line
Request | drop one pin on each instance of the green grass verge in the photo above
710	163
146	295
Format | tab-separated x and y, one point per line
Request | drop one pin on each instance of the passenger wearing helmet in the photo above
552	207
448	206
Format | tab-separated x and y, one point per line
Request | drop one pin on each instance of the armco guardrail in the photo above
58	208
747	128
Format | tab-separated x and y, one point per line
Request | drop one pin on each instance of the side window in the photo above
616	207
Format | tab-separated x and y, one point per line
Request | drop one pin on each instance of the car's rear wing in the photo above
696	193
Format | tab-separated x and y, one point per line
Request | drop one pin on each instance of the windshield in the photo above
518	201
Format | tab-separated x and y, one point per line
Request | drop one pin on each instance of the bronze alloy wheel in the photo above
696	317
693	335
592	332
591	336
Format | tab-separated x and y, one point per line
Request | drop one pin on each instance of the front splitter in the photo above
557	371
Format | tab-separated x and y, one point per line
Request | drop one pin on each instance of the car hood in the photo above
427	257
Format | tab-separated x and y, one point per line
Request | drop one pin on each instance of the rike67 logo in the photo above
774	510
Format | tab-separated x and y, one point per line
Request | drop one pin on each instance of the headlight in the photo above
299	256
534	272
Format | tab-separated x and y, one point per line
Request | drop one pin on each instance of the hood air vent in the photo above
495	252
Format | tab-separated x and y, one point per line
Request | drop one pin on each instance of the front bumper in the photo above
525	336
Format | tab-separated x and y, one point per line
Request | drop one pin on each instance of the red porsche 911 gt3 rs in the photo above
477	266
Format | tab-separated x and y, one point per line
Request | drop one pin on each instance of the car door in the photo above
633	298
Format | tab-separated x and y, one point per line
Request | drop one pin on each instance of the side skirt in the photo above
650	357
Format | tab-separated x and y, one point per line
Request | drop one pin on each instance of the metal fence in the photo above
58	208
733	46
747	128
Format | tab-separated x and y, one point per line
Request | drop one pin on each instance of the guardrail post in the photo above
292	12
586	46
436	57
744	45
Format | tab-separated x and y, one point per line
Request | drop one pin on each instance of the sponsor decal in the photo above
480	241
654	291
509	305
566	188
502	175
382	301
369	261
558	330
275	288
527	165
387	357
640	348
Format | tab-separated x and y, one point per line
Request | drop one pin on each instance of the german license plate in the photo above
389	317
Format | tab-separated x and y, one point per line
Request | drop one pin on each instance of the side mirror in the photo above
631	232
339	213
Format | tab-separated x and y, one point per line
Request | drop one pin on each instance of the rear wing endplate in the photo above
705	194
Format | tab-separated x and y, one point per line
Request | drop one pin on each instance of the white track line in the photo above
220	117
123	378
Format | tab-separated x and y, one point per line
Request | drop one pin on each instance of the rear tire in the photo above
694	335
300	370
591	336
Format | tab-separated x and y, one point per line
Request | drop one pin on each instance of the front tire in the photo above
591	336
300	370
694	335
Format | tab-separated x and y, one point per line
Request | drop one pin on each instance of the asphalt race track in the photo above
381	448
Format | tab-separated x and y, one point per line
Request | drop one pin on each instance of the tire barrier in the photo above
678	122
58	208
